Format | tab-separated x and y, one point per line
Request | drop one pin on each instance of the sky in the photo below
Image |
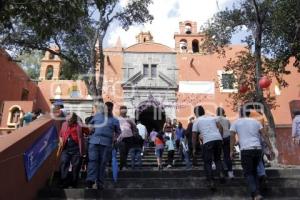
167	15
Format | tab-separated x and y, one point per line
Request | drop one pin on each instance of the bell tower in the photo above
144	37
50	66
188	39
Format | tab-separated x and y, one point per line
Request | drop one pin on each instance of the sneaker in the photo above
169	166
213	166
123	169
258	197
230	175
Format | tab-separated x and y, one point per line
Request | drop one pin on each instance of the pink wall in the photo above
13	79
13	182
289	153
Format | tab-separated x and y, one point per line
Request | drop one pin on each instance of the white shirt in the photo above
142	130
225	125
207	127
125	127
248	131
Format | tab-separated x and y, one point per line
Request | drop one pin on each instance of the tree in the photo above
30	62
75	27
275	38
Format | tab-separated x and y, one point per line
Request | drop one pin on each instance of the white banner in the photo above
197	87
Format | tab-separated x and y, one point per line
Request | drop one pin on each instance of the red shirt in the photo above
72	131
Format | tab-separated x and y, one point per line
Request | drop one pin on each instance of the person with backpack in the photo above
249	133
128	128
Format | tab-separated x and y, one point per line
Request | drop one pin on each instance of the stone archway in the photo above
151	114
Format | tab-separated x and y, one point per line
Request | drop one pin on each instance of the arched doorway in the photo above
151	114
195	45
49	72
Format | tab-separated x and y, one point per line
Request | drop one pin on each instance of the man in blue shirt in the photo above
106	129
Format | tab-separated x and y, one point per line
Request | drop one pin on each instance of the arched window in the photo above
14	116
51	56
188	28
183	45
195	46
49	72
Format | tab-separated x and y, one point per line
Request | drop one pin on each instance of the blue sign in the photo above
35	156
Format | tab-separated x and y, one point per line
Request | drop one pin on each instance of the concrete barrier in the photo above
13	180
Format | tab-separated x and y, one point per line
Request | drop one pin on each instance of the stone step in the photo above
153	173
191	183
164	193
179	173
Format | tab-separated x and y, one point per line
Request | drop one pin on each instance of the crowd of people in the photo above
92	143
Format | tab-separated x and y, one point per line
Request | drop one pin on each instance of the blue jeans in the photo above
98	157
250	160
212	151
226	153
68	157
261	171
188	163
136	157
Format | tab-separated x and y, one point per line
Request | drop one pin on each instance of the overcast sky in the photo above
167	15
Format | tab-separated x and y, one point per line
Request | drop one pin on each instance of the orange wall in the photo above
205	69
13	79
13	182
113	76
282	113
26	106
48	88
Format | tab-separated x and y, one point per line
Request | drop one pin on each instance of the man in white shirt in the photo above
142	130
143	133
225	123
249	132
210	130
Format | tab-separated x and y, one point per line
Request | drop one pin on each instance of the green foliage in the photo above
278	22
69	72
30	62
73	26
243	68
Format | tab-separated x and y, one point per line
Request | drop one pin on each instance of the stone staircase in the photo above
176	183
